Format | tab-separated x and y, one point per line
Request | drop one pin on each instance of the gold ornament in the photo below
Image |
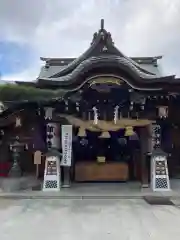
101	159
82	132
105	135
129	132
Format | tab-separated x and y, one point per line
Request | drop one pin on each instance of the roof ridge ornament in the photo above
103	35
102	24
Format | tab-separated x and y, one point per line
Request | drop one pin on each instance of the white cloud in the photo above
62	28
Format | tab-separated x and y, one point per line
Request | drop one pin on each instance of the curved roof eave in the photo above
100	36
77	61
93	61
141	81
101	39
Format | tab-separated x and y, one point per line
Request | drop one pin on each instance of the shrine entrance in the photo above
108	152
106	159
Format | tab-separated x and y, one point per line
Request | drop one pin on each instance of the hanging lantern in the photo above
105	135
66	105
142	107
48	113
26	146
131	106
82	132
129	132
39	111
1	132
163	111
77	106
18	122
142	103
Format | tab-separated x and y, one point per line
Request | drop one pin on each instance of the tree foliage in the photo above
13	92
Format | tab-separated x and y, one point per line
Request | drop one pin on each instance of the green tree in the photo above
13	92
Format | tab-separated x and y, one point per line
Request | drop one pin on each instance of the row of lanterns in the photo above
162	113
129	131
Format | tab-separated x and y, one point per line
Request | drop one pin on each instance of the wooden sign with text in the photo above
37	157
105	84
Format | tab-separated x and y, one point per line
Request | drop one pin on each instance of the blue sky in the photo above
64	28
14	57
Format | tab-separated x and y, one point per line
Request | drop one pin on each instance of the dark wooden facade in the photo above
103	78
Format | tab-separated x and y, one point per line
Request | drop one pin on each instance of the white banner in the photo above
66	134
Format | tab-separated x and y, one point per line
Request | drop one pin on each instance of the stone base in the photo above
153	200
17	184
66	181
145	185
66	186
15	172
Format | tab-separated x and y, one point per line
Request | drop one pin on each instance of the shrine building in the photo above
120	109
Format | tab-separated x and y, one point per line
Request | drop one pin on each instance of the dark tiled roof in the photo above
66	61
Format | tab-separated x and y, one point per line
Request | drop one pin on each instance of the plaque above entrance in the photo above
104	83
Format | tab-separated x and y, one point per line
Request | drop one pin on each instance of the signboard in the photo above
160	176
37	157
52	175
53	135
106	80
66	134
156	136
101	159
105	84
51	168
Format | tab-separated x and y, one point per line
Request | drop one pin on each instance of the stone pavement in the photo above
126	219
16	184
97	190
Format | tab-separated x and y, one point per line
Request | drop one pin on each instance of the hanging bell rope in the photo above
129	131
105	135
82	132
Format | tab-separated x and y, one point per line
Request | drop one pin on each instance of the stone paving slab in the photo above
98	191
85	194
18	184
88	219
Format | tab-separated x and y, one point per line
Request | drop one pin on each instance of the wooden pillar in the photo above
143	155
66	177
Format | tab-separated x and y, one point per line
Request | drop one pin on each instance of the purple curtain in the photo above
38	141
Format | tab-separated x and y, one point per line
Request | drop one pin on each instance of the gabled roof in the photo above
101	57
55	65
102	48
102	43
66	61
